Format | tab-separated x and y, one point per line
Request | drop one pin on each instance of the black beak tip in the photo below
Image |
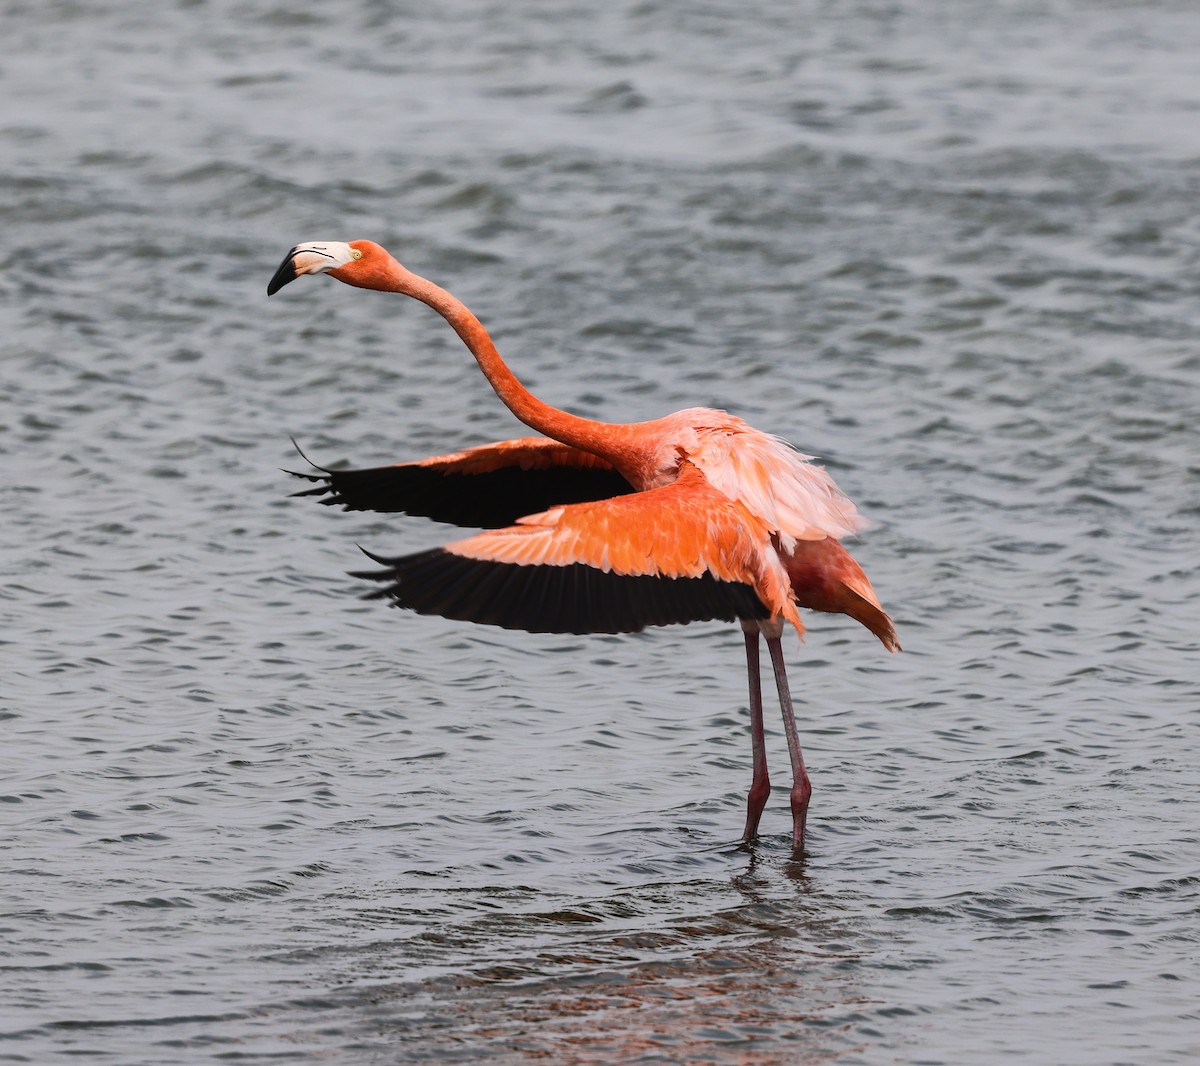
285	274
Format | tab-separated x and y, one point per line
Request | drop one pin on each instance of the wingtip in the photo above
373	557
386	574
300	452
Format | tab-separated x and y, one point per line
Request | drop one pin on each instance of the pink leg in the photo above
760	786
801	786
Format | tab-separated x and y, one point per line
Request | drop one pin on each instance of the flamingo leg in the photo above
760	786
801	786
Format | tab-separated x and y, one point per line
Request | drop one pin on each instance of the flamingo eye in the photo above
355	253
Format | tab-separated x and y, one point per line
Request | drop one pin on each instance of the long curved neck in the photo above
599	438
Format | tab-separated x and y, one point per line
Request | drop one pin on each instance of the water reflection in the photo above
649	973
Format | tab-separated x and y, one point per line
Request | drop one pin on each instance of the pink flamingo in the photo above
610	527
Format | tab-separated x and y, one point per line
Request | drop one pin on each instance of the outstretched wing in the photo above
676	554
488	486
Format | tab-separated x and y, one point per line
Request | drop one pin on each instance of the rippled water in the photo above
953	249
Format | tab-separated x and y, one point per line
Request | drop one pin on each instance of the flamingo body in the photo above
611	527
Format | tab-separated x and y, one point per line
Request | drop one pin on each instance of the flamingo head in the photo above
361	263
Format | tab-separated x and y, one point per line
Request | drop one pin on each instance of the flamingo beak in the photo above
303	260
285	273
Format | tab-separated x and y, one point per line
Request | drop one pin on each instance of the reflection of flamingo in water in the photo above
608	527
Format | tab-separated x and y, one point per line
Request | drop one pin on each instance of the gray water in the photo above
951	249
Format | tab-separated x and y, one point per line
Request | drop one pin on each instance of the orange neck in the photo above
599	438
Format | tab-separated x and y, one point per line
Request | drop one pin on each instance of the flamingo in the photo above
600	527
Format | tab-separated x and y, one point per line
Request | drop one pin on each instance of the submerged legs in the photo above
760	786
